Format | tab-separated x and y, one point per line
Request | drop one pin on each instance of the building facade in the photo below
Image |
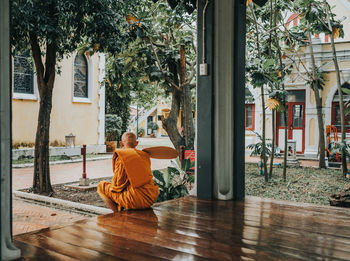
302	115
78	106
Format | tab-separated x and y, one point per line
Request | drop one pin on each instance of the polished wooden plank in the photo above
287	245
192	229
31	252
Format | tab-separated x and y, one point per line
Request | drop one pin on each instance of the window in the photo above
249	116
23	75
296	96
80	77
336	118
336	109
281	117
298	116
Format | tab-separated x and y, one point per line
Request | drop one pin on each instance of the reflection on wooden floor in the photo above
192	229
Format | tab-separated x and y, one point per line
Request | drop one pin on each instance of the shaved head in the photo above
128	140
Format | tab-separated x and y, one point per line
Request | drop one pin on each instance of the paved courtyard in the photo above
29	217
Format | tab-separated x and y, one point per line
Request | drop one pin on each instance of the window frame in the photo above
89	75
334	104
253	116
19	95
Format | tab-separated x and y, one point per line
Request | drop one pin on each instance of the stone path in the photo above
70	172
29	217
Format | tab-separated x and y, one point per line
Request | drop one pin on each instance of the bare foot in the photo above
111	204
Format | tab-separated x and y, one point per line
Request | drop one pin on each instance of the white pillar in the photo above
223	103
8	250
229	83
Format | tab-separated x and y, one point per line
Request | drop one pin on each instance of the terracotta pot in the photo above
111	146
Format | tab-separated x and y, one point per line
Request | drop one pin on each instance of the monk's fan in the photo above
161	152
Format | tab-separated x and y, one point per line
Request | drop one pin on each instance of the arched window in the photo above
23	74
80	77
336	109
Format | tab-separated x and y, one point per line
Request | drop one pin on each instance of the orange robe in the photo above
132	185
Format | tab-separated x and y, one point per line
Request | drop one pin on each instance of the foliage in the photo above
346	90
257	147
113	127
313	12
339	147
118	105
148	66
319	81
141	132
175	181
152	125
66	24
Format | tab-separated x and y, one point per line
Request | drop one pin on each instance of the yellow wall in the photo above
312	130
67	116
158	112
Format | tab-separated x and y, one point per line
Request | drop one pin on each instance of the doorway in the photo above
295	109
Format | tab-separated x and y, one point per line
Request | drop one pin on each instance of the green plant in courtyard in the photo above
153	126
113	127
257	148
118	104
141	132
175	181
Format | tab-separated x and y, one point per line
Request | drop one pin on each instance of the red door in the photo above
295	122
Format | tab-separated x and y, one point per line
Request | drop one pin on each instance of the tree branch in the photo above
50	64
37	56
172	84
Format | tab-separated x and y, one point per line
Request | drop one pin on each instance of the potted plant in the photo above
153	126
141	132
113	131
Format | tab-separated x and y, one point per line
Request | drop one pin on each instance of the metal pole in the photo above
137	121
83	152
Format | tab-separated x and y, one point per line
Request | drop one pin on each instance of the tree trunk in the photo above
187	115
321	141
263	153
284	175
188	126
264	134
170	124
41	179
284	172
273	142
341	101
45	79
180	97
272	25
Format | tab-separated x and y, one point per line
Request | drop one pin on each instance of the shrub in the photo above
113	127
152	125
175	182
141	132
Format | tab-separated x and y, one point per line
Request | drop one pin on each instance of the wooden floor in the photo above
192	229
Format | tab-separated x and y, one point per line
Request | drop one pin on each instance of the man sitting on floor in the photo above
132	185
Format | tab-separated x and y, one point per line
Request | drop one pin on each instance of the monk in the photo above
132	185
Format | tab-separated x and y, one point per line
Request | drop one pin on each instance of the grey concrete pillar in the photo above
8	250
